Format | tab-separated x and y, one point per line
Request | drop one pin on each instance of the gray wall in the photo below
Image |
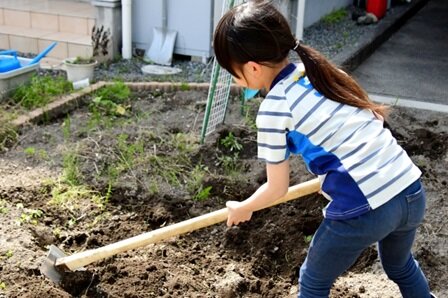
194	20
191	19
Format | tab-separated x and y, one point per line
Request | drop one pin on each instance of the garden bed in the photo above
115	168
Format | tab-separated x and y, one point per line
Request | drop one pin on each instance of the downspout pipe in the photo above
300	19
126	12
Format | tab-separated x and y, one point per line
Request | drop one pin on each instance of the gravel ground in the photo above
328	38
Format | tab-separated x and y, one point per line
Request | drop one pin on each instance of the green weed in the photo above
195	183
185	143
109	100
308	238
9	254
57	232
40	91
231	143
2	286
335	16
230	163
3	208
43	154
68	196
66	128
185	87
8	136
117	92
30	151
31	216
203	193
71	172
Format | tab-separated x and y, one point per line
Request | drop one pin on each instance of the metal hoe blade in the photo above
48	266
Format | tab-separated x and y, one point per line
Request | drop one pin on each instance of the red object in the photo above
377	7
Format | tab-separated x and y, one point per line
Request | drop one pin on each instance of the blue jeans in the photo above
338	243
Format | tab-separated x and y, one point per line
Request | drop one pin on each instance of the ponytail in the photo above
334	83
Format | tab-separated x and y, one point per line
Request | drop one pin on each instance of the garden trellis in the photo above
219	91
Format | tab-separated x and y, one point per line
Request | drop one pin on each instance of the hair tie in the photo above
296	46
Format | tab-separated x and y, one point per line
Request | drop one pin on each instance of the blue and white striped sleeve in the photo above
274	120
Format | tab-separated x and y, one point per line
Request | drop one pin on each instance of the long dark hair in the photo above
256	31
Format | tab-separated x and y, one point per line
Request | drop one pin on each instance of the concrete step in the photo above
31	25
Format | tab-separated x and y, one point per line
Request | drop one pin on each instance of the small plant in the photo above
40	91
66	128
229	163
68	196
117	92
203	193
30	151
335	17
72	174
195	183
8	136
57	232
308	238
3	208
31	216
183	142
2	285
9	254
109	99
185	87
231	143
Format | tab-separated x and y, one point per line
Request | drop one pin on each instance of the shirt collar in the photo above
286	71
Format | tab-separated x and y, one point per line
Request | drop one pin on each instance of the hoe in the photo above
57	263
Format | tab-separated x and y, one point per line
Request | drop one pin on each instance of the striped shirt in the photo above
358	161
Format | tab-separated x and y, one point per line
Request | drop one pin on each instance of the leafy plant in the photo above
2	285
231	142
31	216
308	238
117	92
40	90
203	193
110	98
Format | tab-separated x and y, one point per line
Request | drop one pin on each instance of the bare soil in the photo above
256	259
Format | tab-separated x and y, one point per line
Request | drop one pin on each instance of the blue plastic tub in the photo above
10	80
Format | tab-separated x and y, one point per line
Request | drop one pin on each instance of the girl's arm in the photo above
271	191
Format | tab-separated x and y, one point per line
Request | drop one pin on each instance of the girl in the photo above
318	111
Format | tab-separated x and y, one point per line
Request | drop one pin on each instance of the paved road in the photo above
413	63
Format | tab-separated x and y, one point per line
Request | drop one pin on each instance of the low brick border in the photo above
67	103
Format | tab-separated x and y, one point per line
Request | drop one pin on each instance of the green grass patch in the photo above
40	91
335	16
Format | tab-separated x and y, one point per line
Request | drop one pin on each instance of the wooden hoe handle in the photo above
81	259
